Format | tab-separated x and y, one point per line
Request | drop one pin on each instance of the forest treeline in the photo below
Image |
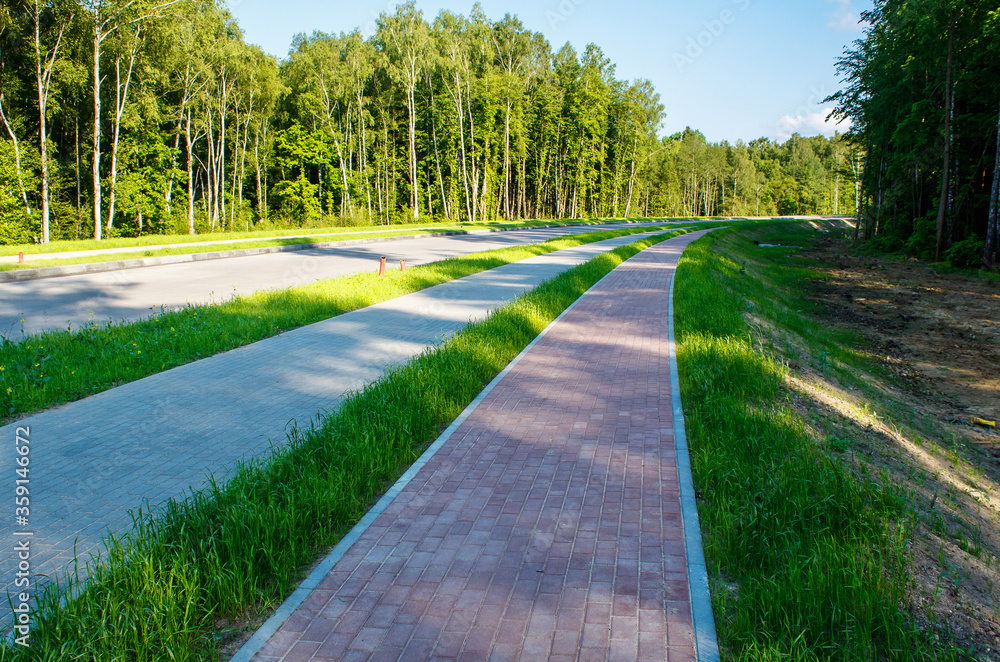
125	117
922	90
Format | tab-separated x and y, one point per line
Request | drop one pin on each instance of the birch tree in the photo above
404	37
45	59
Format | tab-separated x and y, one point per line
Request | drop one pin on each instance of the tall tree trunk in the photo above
256	161
168	197
945	172
236	170
472	150
42	81
522	189
836	195
121	98
190	170
506	163
264	208
221	180
430	195
879	199
437	159
177	138
96	158
363	151
79	220
209	190
631	188
44	148
17	155
457	95
859	187
989	255
412	154
343	175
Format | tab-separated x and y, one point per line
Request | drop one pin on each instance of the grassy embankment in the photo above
806	541
161	590
143	247
62	366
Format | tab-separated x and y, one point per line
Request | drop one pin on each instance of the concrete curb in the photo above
706	640
117	265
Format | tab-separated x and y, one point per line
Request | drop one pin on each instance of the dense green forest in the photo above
922	90
125	117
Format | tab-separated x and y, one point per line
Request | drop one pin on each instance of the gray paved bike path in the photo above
93	460
70	301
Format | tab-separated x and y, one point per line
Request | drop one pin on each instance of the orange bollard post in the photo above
402	265
381	266
20	257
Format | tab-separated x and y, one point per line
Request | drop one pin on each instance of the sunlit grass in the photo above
808	561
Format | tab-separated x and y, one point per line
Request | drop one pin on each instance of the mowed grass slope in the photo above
161	591
807	551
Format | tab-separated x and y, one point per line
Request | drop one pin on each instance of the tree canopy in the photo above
125	117
922	89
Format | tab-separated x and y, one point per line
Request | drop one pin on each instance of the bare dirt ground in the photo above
937	338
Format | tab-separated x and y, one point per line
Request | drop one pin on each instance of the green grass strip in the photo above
63	366
807	560
159	591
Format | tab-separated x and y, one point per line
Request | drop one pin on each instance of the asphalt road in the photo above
67	302
221	243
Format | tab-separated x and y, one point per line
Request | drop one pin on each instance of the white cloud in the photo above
809	124
845	16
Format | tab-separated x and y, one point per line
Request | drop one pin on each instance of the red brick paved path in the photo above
548	527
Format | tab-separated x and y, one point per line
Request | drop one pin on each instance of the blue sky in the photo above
733	69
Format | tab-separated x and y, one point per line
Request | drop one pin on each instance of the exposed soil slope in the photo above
937	335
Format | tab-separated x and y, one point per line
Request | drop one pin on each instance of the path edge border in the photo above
706	640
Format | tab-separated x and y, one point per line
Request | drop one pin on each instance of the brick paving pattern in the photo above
548	526
156	438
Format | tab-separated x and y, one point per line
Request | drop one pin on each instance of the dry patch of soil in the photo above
937	337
